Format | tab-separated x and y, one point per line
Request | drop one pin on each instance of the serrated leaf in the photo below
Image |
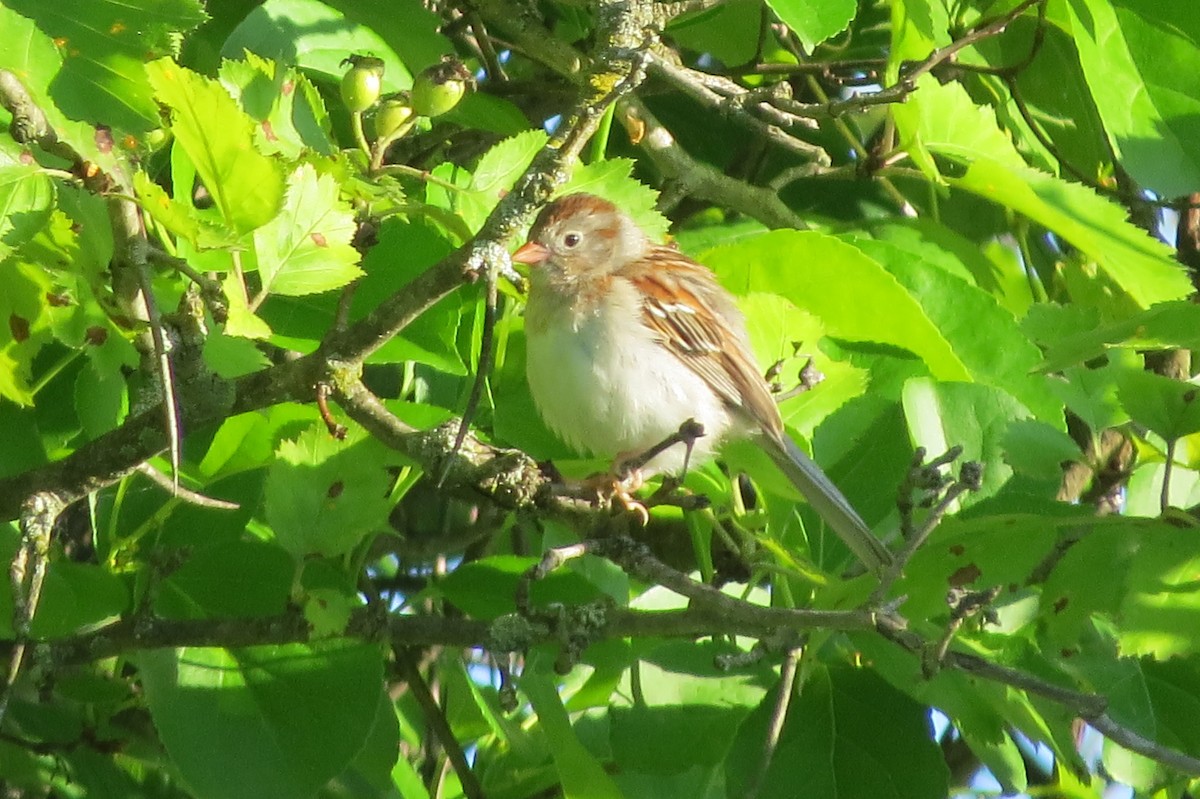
495	174
176	218
781	332
230	356
323	495
328	611
306	249
1168	407
1132	53
612	180
1078	338
985	337
241	320
1038	449
24	326
942	118
290	113
218	137
34	59
107	44
26	197
1141	266
814	22
1160	609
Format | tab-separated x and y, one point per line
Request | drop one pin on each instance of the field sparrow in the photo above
627	339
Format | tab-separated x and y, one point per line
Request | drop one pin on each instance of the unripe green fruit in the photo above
394	117
362	83
439	88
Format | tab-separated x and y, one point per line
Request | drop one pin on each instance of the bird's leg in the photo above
620	483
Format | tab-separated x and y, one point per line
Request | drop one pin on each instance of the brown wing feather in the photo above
698	321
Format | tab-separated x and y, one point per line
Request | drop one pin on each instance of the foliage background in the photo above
977	218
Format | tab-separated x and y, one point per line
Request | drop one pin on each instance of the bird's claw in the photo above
612	485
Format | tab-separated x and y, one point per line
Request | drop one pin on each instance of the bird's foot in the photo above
619	485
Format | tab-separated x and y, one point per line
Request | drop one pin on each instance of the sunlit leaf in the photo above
324	495
246	185
106	44
1132	53
306	249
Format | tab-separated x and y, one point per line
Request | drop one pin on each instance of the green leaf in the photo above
1038	449
852	294
410	28
1160	609
218	137
729	31
212	706
1132	53
985	337
1142	267
582	777
970	415
248	440
1051	89
684	696
291	115
25	321
781	332
494	175
33	58
1092	394
107	44
1170	408
306	248
613	180
1165	326
316	38
101	400
75	597
26	198
485	588
324	495
944	119
814	22
328	610
403	252
237	579
233	356
830	742
1173	688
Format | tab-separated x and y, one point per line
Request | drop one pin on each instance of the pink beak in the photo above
531	253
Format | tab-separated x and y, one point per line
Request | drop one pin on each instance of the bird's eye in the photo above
571	240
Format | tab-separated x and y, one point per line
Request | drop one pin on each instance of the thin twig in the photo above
786	687
185	494
1164	500
436	718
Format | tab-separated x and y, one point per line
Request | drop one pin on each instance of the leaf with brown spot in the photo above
19	326
964	575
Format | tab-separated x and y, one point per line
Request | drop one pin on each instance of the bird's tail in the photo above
829	503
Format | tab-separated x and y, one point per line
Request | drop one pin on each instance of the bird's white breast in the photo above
605	385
